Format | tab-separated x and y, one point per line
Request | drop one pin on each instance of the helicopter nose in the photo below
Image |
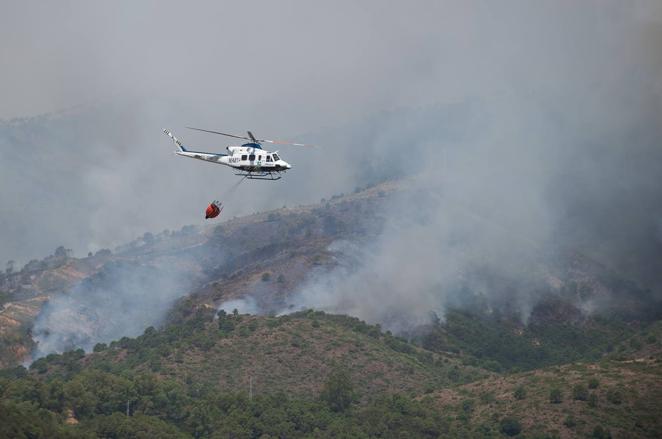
287	165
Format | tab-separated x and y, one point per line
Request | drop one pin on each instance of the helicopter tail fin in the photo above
177	142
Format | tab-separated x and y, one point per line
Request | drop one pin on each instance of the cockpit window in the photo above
276	157
269	159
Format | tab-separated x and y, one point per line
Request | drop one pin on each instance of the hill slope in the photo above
197	379
315	374
287	243
623	399
292	353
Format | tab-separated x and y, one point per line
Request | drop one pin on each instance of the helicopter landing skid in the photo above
259	176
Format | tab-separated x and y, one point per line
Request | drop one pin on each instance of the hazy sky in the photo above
299	63
263	59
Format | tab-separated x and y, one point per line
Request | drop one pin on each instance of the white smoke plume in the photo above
247	305
122	300
565	155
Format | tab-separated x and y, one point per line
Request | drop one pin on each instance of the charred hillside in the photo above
263	262
271	252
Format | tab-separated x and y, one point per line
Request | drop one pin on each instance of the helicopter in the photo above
249	159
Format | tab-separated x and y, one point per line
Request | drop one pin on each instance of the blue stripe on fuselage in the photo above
252	145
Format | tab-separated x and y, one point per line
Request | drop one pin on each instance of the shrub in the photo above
338	391
266	277
225	322
454	374
593	383
580	392
510	426
601	433
155	364
487	397
519	393
253	325
614	396
468	406
555	395
205	343
593	400
41	366
570	421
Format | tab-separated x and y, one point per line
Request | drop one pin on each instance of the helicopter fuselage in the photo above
249	157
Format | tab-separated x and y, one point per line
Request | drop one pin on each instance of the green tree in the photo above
468	406
555	395
338	391
614	396
580	392
25	420
570	421
520	392
510	426
139	426
148	238
225	322
601	433
62	252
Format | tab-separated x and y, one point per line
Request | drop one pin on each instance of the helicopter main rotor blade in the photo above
278	142
252	138
222	134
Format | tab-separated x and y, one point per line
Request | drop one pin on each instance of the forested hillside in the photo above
314	374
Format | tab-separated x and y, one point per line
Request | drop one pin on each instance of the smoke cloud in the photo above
247	305
121	300
523	128
569	158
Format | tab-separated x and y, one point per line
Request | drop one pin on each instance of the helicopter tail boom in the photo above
200	155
